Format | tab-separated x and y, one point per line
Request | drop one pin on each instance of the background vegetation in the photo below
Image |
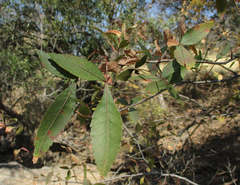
27	88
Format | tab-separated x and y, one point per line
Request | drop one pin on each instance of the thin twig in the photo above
238	11
140	150
180	83
154	173
197	61
150	97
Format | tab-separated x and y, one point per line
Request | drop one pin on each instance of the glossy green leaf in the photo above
84	111
221	6
223	52
141	62
77	66
156	87
123	44
164	48
125	75
134	115
122	101
184	57
52	66
54	121
170	68
196	34
174	93
106	132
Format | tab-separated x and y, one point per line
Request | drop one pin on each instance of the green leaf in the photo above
77	66
68	175
125	75
196	34
145	50
52	66
106	132
170	68
174	93
135	100
149	78
84	110
141	62
123	44
55	119
134	115
221	6
138	128
184	57
64	167
156	87
164	48
223	52
86	182
110	36
152	68
49	176
122	101
183	72
94	95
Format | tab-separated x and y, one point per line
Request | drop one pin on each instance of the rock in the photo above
15	173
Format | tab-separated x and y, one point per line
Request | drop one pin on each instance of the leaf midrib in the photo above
45	136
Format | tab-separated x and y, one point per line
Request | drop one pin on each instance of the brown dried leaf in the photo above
128	61
2	125
109	79
193	48
34	160
112	67
157	50
8	129
130	53
182	28
16	152
74	158
114	32
169	38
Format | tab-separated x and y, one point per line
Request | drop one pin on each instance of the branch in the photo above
197	61
208	81
142	100
140	150
180	83
153	173
20	117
